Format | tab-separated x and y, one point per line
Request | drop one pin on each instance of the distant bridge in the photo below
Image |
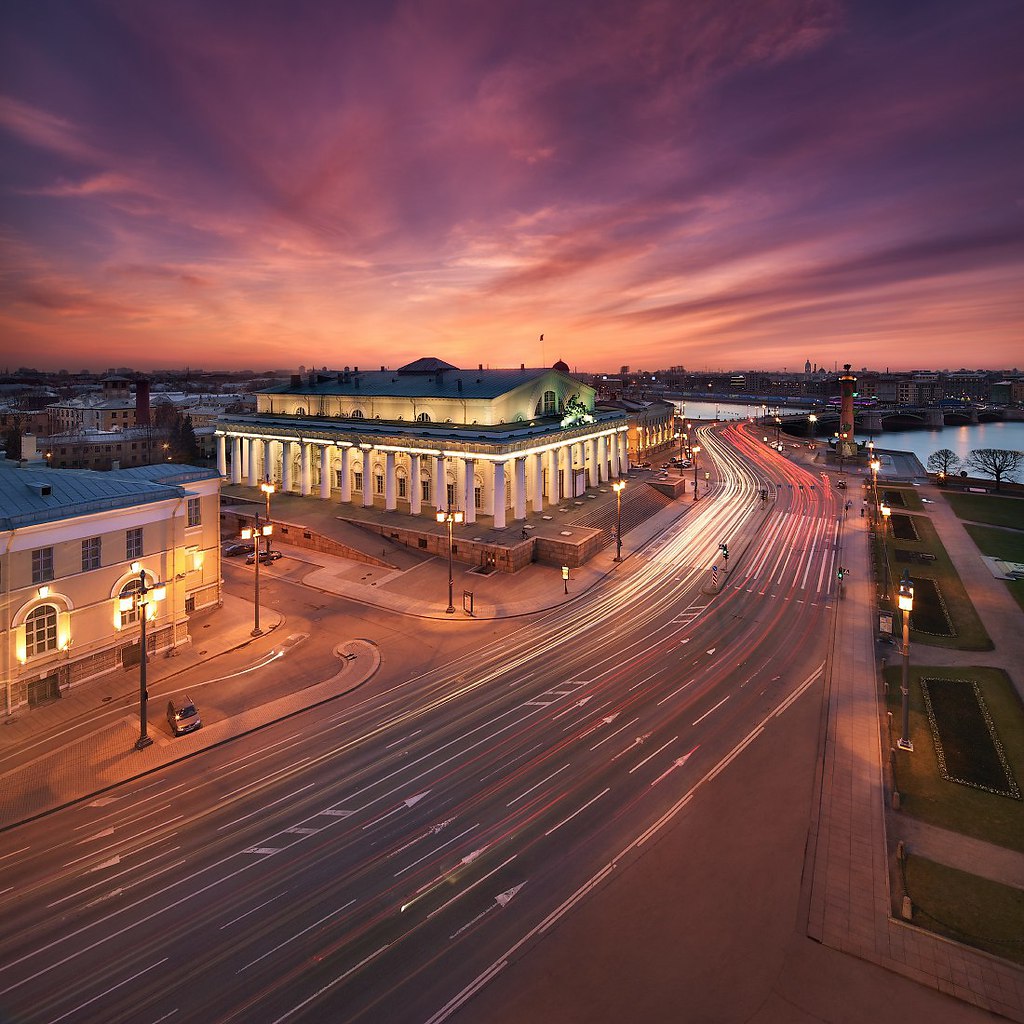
882	418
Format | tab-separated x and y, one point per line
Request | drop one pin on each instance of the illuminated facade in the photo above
429	437
73	543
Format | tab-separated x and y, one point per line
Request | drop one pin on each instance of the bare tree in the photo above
995	462
943	462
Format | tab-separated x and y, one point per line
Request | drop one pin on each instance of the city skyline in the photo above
747	185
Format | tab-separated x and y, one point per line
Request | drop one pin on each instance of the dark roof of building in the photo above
443	381
29	495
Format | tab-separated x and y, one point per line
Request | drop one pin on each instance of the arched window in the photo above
41	630
548	405
300	410
357	414
424	417
131	589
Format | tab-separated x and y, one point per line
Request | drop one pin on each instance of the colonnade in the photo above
497	485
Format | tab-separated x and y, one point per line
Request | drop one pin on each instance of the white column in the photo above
268	462
554	495
305	468
254	462
367	479
613	446
346	475
286	466
222	455
623	453
499	495
415	486
236	460
469	469
602	458
389	481
519	495
440	484
594	467
538	482
325	471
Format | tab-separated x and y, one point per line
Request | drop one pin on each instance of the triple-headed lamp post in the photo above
254	533
906	603
140	600
451	517
618	488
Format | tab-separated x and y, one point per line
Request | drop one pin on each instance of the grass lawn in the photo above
969	633
967	908
1008	544
900	497
995	509
924	793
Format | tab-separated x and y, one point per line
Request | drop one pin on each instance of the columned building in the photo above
427	437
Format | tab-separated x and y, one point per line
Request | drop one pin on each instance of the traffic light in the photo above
840	573
724	548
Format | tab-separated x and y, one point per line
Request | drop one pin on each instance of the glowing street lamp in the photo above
906	603
451	517
140	600
618	488
811	420
254	533
696	452
268	489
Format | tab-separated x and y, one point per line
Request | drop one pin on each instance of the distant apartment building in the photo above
113	407
73	544
103	450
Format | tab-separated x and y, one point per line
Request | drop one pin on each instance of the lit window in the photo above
424	417
378	482
41	630
131	589
357	480
195	516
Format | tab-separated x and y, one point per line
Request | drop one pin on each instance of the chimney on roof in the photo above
459	383
142	402
382	369
480	366
522	366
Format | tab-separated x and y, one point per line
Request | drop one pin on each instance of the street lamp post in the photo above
811	420
618	488
268	489
696	452
906	603
141	600
451	517
875	465
254	533
778	427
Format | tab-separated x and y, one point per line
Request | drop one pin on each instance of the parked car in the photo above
233	549
183	715
841	485
266	557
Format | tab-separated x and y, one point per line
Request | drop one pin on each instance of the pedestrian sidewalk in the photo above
106	758
848	896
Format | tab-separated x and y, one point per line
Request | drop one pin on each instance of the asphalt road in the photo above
381	860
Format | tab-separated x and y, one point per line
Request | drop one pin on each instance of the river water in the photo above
1005	434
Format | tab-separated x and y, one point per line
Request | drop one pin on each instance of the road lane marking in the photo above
235	920
653	754
539	784
437	849
715	708
579	810
112	988
263	851
292	938
617	731
106	881
260	810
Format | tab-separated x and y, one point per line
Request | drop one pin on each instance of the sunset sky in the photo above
744	183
